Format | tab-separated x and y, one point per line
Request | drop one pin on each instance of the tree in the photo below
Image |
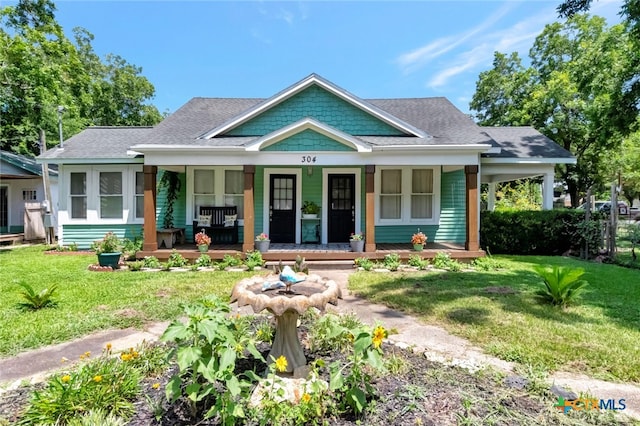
571	93
41	69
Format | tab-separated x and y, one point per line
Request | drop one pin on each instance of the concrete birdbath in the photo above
286	306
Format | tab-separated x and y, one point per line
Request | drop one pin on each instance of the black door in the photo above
282	209
341	216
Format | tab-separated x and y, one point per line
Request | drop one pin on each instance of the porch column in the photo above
150	227
491	197
370	200
249	213
472	243
547	191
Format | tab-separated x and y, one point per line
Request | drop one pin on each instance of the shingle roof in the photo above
100	143
524	142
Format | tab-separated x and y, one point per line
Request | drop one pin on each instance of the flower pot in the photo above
357	245
418	247
203	248
309	215
109	259
262	246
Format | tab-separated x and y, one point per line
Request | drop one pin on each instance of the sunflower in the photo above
379	333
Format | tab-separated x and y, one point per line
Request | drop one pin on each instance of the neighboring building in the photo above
21	182
385	167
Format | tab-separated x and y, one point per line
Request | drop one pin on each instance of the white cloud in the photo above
472	54
415	59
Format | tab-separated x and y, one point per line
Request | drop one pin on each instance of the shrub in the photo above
546	232
136	265
442	260
203	261
253	259
152	262
364	263
392	261
562	284
418	261
176	260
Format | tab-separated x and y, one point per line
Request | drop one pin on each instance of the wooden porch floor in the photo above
319	252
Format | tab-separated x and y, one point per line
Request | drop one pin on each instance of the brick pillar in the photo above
150	227
472	243
249	209
370	200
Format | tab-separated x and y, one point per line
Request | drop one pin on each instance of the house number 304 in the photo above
308	159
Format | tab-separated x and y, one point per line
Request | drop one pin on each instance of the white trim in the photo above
405	216
308	124
476	147
93	195
357	172
530	160
299	87
266	196
6	185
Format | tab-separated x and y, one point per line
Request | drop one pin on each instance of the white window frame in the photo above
406	192
218	189
93	194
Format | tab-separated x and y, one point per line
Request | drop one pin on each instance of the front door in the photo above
282	209
341	216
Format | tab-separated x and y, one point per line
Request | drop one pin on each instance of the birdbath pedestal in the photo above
286	306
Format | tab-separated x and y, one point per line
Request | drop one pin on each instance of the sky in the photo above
254	49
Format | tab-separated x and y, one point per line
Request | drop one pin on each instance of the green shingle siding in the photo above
317	103
308	140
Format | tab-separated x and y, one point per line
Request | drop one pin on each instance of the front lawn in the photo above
497	310
88	301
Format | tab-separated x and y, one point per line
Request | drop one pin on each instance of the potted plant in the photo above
418	240
108	249
357	242
262	242
203	241
310	210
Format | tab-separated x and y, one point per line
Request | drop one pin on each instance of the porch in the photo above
320	252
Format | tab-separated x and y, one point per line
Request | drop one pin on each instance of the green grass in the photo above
598	336
89	301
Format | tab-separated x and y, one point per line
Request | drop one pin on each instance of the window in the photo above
422	194
408	195
110	195
29	195
234	190
217	187
391	194
139	201
203	189
78	195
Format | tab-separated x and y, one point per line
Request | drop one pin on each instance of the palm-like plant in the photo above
35	301
562	285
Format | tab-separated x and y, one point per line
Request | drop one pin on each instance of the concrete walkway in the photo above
436	344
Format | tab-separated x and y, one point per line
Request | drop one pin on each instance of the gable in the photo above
308	140
320	104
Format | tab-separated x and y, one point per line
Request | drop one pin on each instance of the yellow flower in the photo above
66	378
87	354
125	357
378	334
281	363
97	379
156	386
108	347
306	397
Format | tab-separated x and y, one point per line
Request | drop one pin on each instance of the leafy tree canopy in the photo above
573	92
41	69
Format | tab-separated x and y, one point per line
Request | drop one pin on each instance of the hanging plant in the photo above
171	182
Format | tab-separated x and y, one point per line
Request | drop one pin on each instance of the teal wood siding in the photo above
179	205
453	208
452	227
84	235
308	140
317	103
312	187
258	199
